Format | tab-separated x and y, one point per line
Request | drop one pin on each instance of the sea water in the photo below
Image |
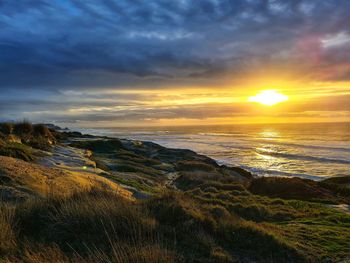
313	151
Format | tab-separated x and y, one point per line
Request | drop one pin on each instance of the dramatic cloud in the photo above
51	47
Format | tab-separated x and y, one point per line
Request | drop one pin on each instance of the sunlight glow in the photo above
268	97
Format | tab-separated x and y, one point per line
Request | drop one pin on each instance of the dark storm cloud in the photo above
55	43
48	47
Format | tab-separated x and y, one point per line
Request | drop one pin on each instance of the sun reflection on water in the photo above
265	158
269	135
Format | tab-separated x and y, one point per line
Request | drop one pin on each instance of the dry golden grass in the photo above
42	181
93	226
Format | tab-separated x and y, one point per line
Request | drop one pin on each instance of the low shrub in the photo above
41	130
39	142
289	188
23	128
340	186
6	128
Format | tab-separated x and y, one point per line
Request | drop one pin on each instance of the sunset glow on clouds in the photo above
118	63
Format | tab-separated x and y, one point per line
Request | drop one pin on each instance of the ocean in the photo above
313	151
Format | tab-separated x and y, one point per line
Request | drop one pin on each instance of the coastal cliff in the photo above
85	198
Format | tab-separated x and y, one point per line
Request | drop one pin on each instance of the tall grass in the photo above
8	241
41	130
93	226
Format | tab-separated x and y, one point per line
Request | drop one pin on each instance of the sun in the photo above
268	97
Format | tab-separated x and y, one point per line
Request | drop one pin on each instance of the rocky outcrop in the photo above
147	167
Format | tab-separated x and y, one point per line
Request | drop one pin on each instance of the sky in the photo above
116	63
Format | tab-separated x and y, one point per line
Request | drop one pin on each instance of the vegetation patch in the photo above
17	150
37	136
292	188
99	146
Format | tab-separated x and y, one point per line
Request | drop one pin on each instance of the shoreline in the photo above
286	160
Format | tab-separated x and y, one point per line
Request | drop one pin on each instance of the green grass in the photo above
194	165
299	224
131	156
133	183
